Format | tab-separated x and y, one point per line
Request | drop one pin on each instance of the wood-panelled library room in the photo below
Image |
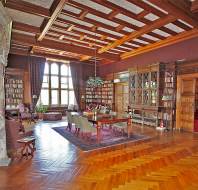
98	94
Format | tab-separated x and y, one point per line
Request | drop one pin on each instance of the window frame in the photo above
59	89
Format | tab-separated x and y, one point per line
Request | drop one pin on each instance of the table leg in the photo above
98	127
128	127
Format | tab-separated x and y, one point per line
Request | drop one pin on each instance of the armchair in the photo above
13	134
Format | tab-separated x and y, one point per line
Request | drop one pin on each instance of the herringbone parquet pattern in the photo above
167	162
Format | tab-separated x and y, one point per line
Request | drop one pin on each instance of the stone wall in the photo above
5	30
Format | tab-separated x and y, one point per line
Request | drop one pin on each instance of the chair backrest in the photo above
85	124
76	120
113	113
69	117
71	107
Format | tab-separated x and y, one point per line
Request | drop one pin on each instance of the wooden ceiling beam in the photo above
115	7
167	30
58	33
47	55
147	7
136	34
83	14
112	14
110	17
194	6
55	9
174	10
74	31
52	44
169	41
181	25
27	8
156	35
60	20
92	21
25	27
75	41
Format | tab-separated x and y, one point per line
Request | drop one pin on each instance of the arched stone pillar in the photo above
5	30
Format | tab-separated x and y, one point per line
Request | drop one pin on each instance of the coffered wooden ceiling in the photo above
118	29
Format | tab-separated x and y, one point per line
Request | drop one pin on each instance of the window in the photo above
57	87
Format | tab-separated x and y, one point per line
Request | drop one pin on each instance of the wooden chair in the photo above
70	120
87	128
76	120
121	126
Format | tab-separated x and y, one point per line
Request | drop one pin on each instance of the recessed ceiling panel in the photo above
151	17
150	37
155	6
25	18
182	21
72	9
110	31
102	20
65	17
160	32
174	28
127	5
43	3
129	20
127	29
140	41
94	5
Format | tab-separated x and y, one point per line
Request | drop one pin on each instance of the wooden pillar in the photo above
5	30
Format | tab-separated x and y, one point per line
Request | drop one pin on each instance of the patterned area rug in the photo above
109	138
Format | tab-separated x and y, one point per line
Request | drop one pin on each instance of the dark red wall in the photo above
187	50
18	61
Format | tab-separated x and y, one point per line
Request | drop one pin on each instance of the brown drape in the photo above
37	66
76	73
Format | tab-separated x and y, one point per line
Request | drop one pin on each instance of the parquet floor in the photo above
169	161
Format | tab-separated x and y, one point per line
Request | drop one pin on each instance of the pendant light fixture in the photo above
95	81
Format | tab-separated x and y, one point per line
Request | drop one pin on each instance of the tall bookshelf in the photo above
103	95
14	88
169	96
145	94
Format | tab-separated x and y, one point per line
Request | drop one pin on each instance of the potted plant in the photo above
40	109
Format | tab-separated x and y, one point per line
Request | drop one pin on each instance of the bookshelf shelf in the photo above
14	88
103	95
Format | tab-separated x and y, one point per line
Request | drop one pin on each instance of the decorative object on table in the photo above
95	81
40	110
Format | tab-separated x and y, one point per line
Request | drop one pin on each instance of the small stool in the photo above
28	146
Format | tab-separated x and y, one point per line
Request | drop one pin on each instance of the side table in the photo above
28	146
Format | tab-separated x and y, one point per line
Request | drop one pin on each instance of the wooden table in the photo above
102	119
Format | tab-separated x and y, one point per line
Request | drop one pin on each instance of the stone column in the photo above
5	30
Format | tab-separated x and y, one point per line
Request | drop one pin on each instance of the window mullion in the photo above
59	84
50	96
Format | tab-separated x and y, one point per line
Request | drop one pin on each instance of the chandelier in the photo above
95	81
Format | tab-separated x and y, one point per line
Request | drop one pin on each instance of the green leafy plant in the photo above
41	108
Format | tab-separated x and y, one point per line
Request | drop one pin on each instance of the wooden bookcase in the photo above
14	88
146	89
169	95
103	95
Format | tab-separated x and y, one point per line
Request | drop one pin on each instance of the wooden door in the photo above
186	104
121	97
